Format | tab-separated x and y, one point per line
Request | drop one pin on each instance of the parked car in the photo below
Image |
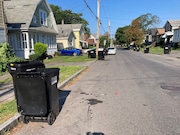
111	50
70	51
105	50
86	50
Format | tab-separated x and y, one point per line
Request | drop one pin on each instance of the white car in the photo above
111	50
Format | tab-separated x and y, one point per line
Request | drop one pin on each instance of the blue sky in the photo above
121	12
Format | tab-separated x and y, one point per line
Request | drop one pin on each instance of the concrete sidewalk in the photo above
12	122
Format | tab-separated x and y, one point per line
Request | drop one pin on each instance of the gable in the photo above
41	10
171	25
20	11
31	14
160	31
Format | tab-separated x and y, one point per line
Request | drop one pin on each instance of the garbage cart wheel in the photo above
51	118
25	119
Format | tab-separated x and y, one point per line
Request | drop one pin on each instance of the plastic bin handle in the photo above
28	73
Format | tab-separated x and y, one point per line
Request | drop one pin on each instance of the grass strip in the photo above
156	50
81	58
68	71
7	110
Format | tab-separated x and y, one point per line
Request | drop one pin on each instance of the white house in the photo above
176	37
28	22
170	26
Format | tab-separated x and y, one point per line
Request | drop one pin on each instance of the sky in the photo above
120	13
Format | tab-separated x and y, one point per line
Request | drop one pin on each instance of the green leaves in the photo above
40	50
7	55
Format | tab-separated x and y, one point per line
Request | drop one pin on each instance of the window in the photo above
34	19
24	40
43	17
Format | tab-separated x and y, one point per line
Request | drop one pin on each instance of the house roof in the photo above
160	31
64	31
20	11
152	31
71	26
174	23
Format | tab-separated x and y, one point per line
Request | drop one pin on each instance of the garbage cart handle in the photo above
28	73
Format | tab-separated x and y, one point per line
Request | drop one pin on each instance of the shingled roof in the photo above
174	23
160	31
72	26
20	11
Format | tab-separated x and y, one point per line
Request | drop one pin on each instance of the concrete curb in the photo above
12	122
9	124
60	86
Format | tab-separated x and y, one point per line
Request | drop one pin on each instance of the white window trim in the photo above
43	17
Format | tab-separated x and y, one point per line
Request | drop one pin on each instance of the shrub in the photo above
40	48
40	52
7	55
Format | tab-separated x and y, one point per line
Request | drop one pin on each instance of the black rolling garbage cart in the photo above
36	92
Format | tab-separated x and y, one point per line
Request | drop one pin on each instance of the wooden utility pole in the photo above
109	34
98	27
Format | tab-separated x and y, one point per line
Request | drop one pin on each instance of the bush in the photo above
40	48
7	55
40	52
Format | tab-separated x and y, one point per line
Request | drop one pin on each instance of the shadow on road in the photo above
63	94
95	133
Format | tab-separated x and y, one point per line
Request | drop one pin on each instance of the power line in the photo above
93	14
90	9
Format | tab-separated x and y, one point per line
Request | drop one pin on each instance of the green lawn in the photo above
156	50
68	71
81	58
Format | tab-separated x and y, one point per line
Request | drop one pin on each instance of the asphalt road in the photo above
130	93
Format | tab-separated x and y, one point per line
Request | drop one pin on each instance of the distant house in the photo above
79	32
159	33
28	22
169	27
92	40
176	36
155	34
152	35
65	37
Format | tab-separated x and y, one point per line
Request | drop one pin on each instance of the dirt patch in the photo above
15	129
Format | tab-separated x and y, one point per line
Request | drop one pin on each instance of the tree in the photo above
57	13
148	20
120	35
69	17
134	32
103	39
